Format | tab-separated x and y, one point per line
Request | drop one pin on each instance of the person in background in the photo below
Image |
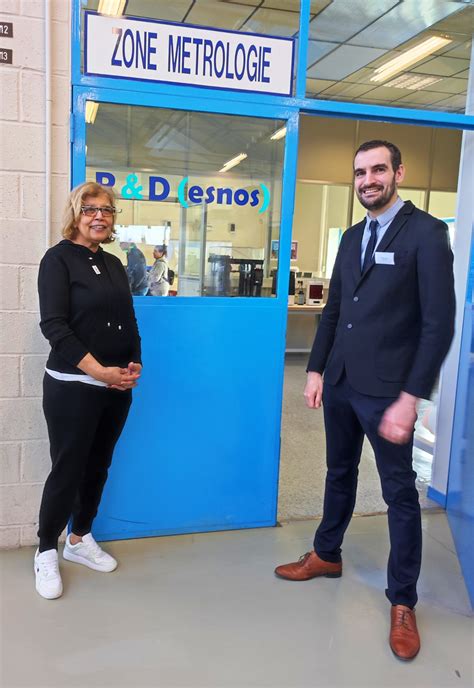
384	333
95	361
158	276
136	268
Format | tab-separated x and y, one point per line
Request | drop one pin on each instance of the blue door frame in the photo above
215	464
203	453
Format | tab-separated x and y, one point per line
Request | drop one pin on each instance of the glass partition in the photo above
408	54
202	190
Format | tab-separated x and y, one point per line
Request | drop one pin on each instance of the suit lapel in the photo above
355	250
397	223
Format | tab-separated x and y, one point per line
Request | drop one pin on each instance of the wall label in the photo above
149	50
6	29
159	189
6	56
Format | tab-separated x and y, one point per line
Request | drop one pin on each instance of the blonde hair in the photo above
75	201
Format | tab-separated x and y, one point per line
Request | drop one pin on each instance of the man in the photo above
136	268
385	330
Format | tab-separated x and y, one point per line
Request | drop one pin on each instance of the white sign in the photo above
149	50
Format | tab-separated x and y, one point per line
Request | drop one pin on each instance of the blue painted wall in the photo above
460	498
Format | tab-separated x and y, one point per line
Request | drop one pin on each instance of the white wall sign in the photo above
149	50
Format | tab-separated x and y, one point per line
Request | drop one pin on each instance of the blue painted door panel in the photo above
201	446
460	498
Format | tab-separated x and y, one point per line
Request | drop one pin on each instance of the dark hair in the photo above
395	155
162	248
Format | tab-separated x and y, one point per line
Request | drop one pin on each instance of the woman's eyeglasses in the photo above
105	210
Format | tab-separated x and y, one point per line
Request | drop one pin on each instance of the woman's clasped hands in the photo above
122	379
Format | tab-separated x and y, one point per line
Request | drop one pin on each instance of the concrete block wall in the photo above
24	451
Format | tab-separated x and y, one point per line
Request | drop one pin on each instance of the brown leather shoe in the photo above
309	566
404	638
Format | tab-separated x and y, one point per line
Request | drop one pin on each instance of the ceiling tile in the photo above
226	16
273	23
166	11
403	22
448	85
461	22
383	93
253	3
318	49
362	76
342	19
318	85
457	102
419	97
347	90
462	50
292	5
441	66
317	6
343	61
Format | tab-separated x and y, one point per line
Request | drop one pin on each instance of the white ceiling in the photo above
175	142
348	40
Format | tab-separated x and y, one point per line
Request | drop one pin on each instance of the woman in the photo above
159	285
95	360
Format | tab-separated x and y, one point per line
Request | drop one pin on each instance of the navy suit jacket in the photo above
390	328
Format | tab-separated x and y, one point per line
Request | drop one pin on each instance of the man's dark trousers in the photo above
348	416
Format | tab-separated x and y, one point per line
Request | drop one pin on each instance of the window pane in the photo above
408	54
205	187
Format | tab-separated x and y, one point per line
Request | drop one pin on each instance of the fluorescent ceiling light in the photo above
233	162
410	57
413	82
91	111
113	8
279	134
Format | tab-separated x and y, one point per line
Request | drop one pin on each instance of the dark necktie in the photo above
371	245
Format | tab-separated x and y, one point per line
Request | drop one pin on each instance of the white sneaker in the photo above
89	553
48	579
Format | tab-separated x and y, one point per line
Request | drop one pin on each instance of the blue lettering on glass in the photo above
105	178
266	198
254	196
131	189
210	198
181	196
152	195
220	196
241	197
195	194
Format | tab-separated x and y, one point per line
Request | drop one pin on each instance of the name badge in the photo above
382	258
97	271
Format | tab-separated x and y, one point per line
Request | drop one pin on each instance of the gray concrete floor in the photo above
303	457
206	611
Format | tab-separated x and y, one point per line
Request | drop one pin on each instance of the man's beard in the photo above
379	201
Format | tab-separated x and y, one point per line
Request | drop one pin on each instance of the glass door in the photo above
201	447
